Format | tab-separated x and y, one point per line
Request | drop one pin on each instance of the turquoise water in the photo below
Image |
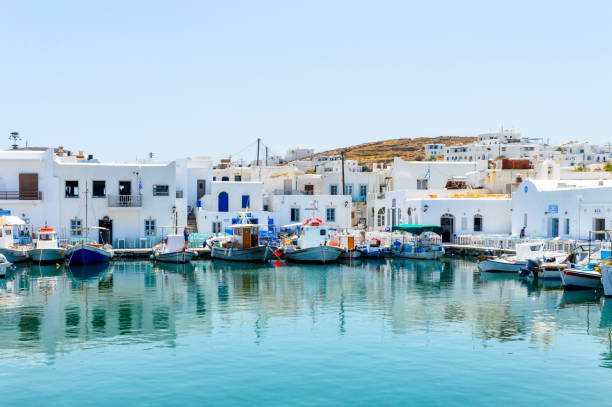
388	333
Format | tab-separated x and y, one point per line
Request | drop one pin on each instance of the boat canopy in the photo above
417	229
8	220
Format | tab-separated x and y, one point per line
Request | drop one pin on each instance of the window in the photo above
246	201
422	183
363	190
72	189
478	223
295	214
333	189
330	214
348	189
99	189
216	227
567	227
150	229
224	178
323	232
381	217
75	227
237	178
161	190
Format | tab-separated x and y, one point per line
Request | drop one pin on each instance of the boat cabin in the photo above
314	234
245	235
347	242
47	239
6	237
529	250
174	243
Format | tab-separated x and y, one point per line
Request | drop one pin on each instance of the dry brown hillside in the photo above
409	149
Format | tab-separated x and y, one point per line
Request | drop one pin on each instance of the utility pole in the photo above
342	157
266	156
258	142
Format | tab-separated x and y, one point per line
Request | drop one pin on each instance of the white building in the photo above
426	175
562	208
298	153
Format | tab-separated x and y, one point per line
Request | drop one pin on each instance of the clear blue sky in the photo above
179	78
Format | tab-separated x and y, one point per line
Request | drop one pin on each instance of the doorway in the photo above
447	223
554	227
201	188
105	236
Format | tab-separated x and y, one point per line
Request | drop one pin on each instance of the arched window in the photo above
223	202
224	178
381	217
478	223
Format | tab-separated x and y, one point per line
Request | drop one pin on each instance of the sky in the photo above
120	79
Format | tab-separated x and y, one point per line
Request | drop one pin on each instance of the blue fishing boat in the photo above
89	253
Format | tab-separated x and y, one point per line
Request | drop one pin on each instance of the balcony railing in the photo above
124	201
21	195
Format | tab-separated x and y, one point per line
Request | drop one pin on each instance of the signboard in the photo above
553	209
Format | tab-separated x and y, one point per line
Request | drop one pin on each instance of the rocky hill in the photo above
410	149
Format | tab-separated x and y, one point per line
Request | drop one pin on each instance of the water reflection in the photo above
47	309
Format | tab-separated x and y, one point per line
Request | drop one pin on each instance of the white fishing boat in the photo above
312	245
606	278
4	264
581	278
422	245
47	249
514	264
174	248
13	253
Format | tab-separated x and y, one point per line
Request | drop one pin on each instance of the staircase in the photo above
192	223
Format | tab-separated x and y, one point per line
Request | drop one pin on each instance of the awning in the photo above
9	220
417	229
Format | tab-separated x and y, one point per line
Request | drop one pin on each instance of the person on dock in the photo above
523	232
186	235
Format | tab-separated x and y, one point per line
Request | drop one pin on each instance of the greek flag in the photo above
427	174
140	186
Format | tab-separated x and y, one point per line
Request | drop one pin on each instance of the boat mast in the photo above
86	214
342	157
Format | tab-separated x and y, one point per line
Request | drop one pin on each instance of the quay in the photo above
474	250
203	253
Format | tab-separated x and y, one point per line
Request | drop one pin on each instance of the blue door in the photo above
246	202
223	202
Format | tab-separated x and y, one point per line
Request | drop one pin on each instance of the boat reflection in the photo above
185	268
83	273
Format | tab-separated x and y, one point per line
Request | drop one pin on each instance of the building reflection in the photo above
46	310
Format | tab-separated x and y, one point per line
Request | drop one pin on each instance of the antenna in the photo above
15	137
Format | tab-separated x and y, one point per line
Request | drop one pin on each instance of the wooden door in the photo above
28	186
246	238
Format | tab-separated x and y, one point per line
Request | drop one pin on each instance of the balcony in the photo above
125	201
21	195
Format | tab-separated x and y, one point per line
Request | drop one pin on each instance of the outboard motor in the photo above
532	267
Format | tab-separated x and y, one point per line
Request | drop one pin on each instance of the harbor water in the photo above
396	332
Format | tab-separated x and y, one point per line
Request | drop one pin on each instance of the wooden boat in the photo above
244	244
89	253
312	245
13	253
421	246
47	249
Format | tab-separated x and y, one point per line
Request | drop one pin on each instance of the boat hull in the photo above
606	279
550	273
47	255
85	254
350	254
15	255
575	278
494	266
425	255
181	257
258	254
374	253
319	254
